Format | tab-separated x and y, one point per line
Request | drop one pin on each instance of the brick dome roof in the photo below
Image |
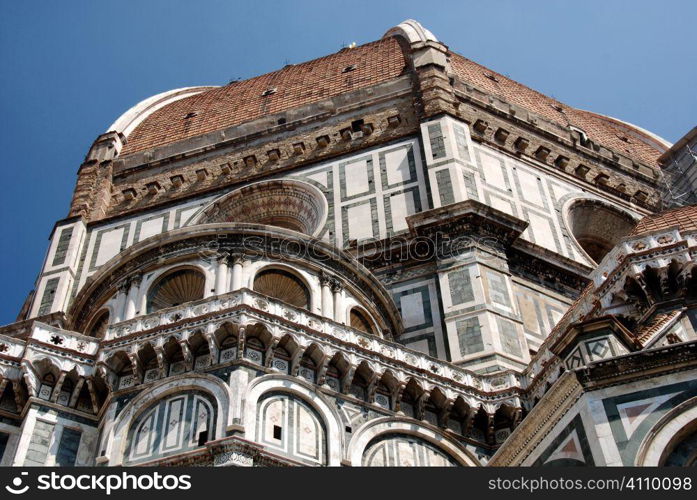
684	218
373	63
611	133
243	101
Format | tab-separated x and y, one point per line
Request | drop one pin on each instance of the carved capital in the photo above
336	286
124	285
325	279
236	258
135	279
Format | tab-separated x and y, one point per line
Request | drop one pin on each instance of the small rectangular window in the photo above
202	438
68	447
435	135
277	432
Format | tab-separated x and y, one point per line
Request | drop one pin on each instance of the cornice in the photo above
539	422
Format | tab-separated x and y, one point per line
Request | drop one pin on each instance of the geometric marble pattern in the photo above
568	449
599	349
173	424
633	413
291	427
575	359
45	392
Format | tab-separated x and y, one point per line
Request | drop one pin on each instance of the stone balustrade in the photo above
64	339
247	307
11	347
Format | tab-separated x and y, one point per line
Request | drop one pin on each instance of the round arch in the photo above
34	361
367	433
307	393
222	395
667	433
293	294
361	320
286	203
175	286
184	245
595	226
99	323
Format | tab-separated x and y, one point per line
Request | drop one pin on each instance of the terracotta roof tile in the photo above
295	85
684	217
646	331
603	130
375	62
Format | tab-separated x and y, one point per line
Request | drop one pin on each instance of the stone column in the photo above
132	297
327	299
337	290
237	260
120	305
57	388
221	275
143	306
76	392
212	343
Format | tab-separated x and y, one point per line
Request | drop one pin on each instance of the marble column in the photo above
338	291
221	275
327	299
132	297
237	260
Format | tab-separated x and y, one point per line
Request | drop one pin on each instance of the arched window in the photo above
383	398
201	351
99	325
283	286
402	450
172	425
175	288
291	427
8	402
359	320
408	404
359	387
598	227
333	378
228	349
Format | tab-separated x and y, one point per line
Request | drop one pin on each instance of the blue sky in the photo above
70	68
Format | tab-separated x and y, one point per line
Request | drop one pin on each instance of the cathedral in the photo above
387	256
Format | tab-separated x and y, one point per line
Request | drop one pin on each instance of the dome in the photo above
614	134
212	109
182	114
127	122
